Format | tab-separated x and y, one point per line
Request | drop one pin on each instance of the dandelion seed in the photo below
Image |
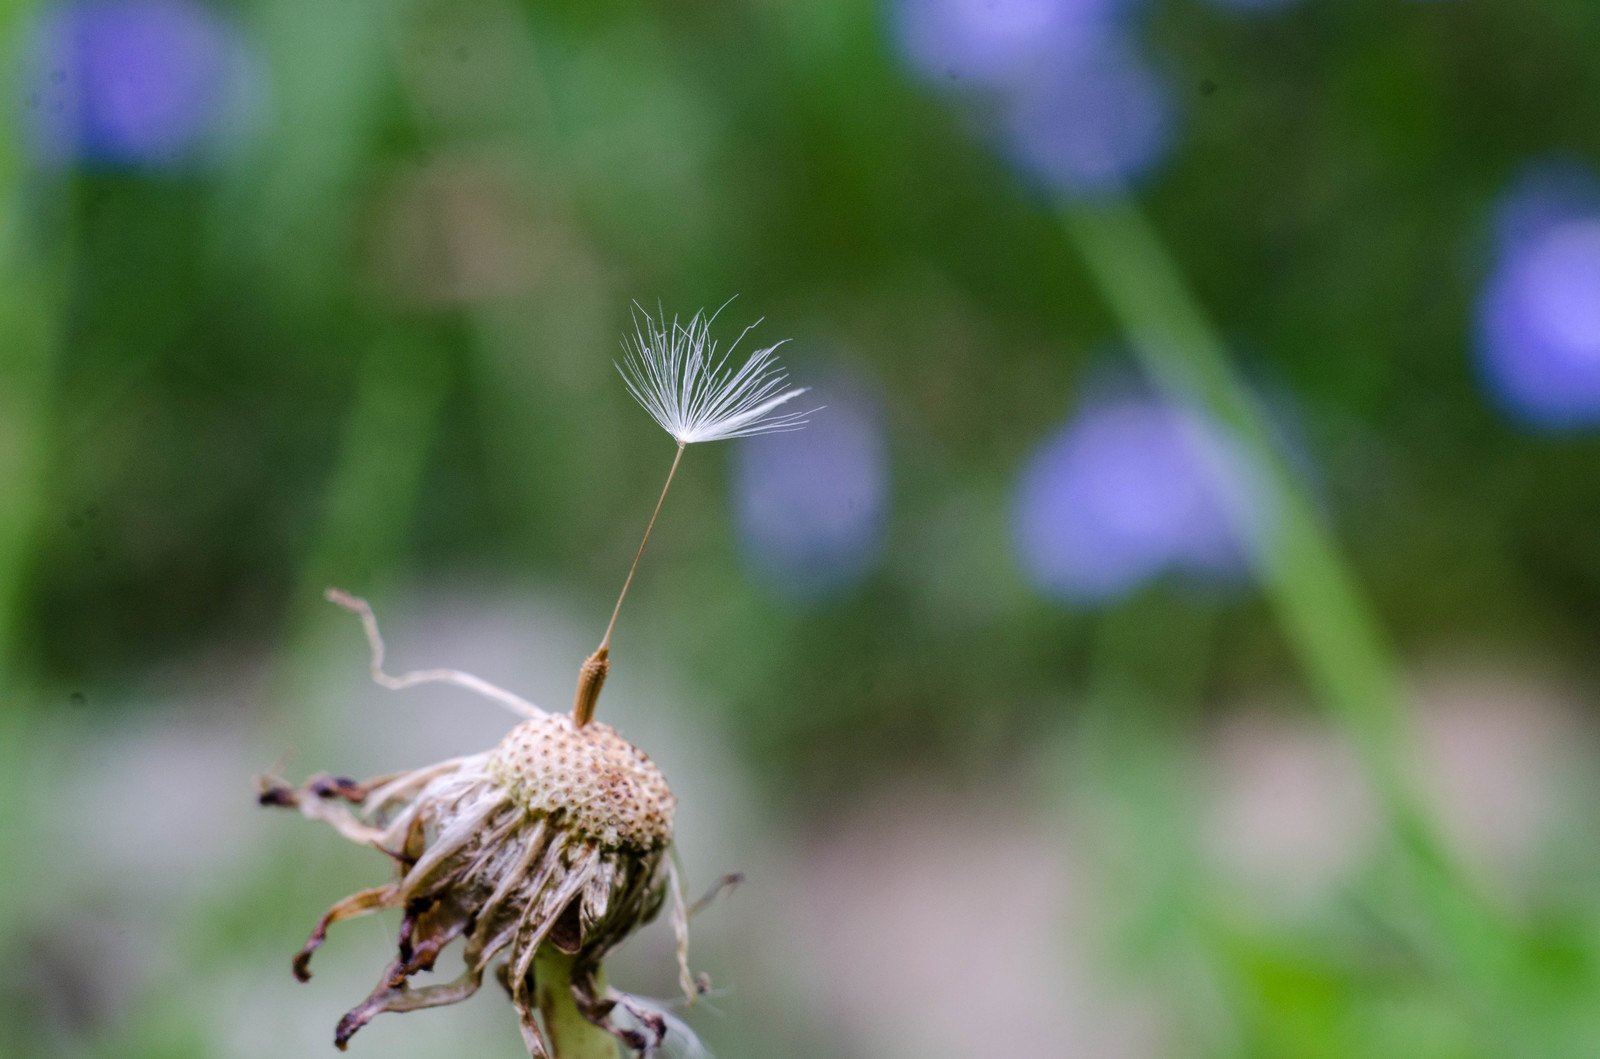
676	373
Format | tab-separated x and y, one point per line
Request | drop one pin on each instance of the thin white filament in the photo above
681	1041
680	931
676	373
361	608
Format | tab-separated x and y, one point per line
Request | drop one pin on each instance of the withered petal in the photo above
357	904
485	849
403	998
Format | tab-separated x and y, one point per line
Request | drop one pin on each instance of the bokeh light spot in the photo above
997	42
137	84
1094	125
1075	104
811	504
1129	489
1539	317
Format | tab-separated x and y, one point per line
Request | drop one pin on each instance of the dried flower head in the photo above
557	839
551	849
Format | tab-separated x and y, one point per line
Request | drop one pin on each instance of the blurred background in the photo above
1176	636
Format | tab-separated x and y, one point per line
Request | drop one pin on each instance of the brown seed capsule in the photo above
591	678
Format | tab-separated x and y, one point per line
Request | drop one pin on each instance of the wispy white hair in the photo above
674	371
680	1042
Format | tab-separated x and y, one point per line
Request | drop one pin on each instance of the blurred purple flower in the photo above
136	83
1132	487
1091	126
997	42
1544	195
811	504
1539	317
1079	108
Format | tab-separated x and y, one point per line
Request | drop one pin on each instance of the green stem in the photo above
36	252
1318	603
36	242
571	1035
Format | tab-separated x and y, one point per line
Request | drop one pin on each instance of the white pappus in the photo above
675	372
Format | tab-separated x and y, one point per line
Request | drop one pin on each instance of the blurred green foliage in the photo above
1328	201
220	391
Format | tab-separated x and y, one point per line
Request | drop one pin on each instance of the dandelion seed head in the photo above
675	371
555	844
602	786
